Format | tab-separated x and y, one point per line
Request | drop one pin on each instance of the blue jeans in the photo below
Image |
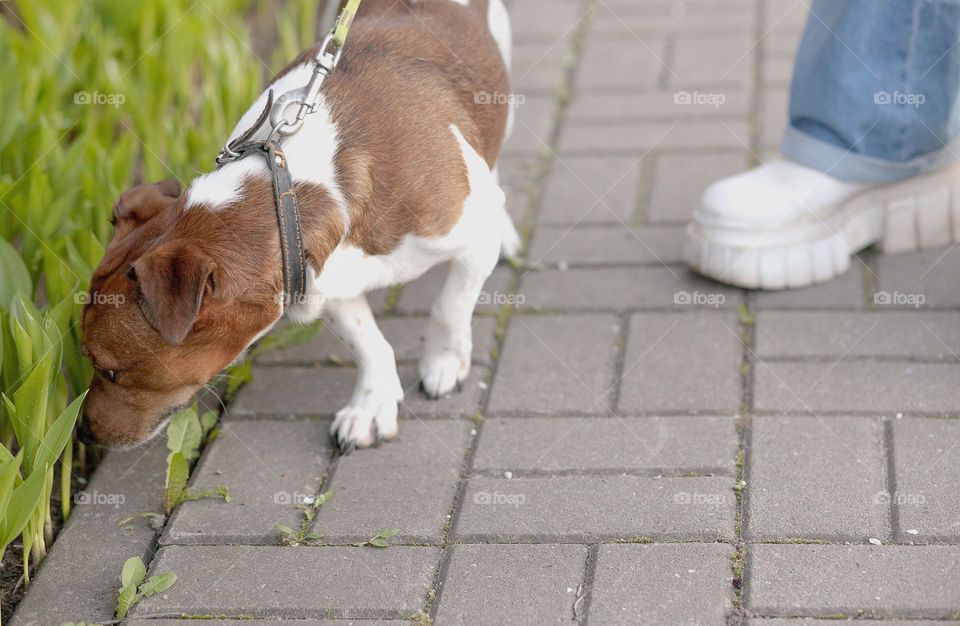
874	89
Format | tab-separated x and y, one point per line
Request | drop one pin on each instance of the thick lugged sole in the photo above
917	214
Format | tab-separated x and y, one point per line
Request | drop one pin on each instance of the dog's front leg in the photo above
371	415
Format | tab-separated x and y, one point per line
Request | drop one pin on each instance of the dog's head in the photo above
162	318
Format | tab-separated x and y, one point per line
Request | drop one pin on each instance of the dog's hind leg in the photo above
372	413
448	344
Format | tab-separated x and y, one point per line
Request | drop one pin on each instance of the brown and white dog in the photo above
396	173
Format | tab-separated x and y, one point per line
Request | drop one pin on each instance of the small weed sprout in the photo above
133	588
379	540
304	536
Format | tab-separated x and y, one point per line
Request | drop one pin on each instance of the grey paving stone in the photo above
880	581
556	364
269	468
511	584
517	174
782	41
405	335
928	472
705	445
544	20
662	584
785	13
859	622
776	72
79	574
533	125
629	64
578	509
638	138
844	292
824	334
773	116
817	478
690	7
419	296
680	180
585	190
594	106
931	274
639	23
408	485
263	622
706	61
322	391
279	582
622	288
688	363
607	245
856	387
539	67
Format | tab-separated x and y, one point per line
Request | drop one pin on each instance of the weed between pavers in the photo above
303	536
379	540
186	433
421	618
133	588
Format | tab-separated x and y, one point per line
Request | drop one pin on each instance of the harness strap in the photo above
292	251
288	220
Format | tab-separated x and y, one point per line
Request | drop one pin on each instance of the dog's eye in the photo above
109	375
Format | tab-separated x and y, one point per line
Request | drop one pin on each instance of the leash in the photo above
282	117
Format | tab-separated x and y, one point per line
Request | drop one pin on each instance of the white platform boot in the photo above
784	225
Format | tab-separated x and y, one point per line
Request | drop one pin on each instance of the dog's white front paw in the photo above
371	417
440	375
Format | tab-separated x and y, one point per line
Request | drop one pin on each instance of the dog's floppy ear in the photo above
142	203
173	280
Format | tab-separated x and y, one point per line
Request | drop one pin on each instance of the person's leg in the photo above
872	103
874	89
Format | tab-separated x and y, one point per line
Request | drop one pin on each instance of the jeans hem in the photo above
852	167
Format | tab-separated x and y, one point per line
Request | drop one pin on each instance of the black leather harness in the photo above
292	252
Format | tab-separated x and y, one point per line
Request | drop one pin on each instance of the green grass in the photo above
101	95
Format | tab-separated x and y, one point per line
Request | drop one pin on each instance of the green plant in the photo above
133	588
303	535
379	540
185	434
167	106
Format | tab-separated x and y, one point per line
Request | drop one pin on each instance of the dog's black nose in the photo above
84	434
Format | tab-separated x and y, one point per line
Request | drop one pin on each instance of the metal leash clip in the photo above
307	97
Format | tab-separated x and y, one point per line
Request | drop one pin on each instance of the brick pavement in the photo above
637	445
